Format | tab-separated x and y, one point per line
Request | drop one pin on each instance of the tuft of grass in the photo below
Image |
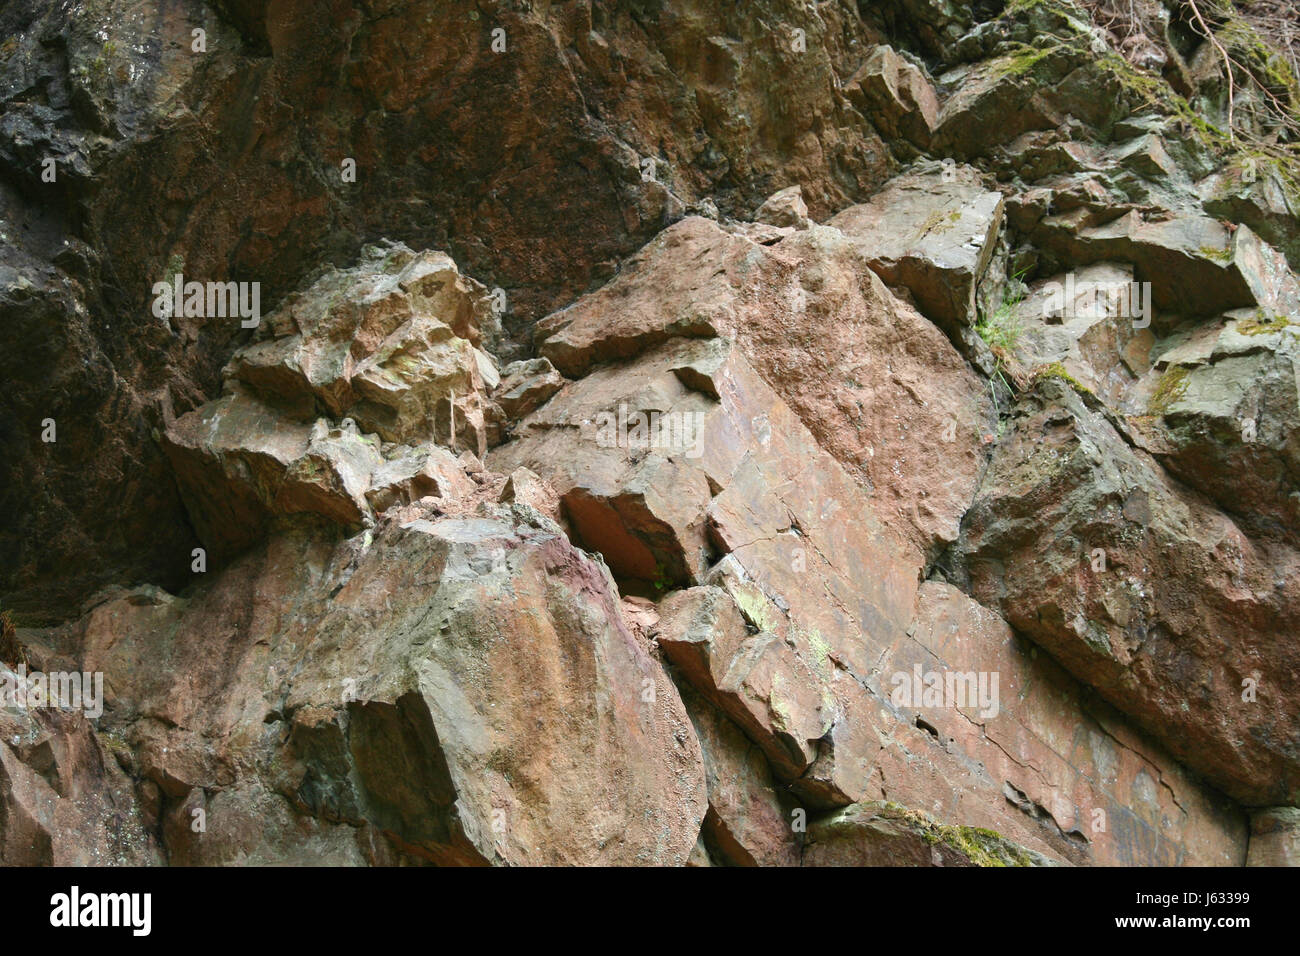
1002	329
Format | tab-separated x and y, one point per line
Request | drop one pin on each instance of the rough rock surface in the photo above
696	434
1138	586
435	693
892	387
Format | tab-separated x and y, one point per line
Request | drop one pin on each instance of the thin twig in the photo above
1227	63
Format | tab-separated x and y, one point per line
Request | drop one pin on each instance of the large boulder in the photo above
455	690
888	390
1142	590
897	95
1220	408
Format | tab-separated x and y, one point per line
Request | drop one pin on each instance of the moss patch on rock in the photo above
981	846
1171	387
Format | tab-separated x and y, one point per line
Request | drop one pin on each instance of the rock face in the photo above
1137	586
766	435
446	734
538	160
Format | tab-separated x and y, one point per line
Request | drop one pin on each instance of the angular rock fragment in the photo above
526	386
1195	265
390	343
748	822
784	208
890	388
896	95
932	230
1226	401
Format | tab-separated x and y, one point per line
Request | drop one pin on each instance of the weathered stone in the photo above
1154	627
748	824
777	303
886	834
896	95
998	99
1228	401
1092	323
932	230
390	343
1057	771
407	475
526	386
64	800
1275	837
525	487
1195	265
451	686
239	465
784	208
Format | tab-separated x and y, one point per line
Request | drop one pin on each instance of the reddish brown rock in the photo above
1085	785
748	822
446	688
784	208
526	163
897	95
64	798
889	390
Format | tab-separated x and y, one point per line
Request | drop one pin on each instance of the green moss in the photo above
981	846
1023	60
1223	256
780	709
1058	370
939	222
754	607
1265	64
1171	387
1263	324
1028	6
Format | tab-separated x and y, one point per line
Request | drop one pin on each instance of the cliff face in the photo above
650	433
